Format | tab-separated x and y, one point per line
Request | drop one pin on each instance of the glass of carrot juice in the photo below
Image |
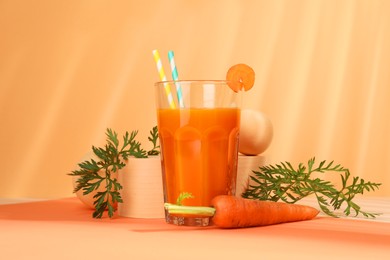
198	124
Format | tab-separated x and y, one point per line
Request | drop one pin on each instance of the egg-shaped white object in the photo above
256	132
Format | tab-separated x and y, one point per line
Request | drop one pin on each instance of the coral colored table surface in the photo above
64	229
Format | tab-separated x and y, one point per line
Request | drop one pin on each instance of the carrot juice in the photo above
199	152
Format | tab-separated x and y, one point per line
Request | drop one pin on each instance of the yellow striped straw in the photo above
161	73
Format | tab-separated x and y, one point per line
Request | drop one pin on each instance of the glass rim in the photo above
218	81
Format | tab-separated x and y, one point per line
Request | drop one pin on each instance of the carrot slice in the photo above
240	77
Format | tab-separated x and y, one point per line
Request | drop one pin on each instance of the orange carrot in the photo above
234	212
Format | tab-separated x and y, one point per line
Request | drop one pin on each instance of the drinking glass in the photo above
198	124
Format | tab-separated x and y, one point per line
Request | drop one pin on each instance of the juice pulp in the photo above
199	152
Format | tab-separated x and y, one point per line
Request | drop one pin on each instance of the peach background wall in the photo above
70	69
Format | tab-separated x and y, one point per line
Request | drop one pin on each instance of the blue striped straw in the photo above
175	77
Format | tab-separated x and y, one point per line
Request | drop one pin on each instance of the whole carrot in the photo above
234	212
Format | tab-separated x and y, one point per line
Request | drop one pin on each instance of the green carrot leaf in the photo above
286	183
93	174
183	196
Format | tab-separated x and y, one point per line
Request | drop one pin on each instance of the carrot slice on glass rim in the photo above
240	77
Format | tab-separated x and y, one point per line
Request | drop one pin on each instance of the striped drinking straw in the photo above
161	72
175	77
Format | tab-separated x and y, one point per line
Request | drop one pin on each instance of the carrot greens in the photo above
283	182
153	138
112	157
183	196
